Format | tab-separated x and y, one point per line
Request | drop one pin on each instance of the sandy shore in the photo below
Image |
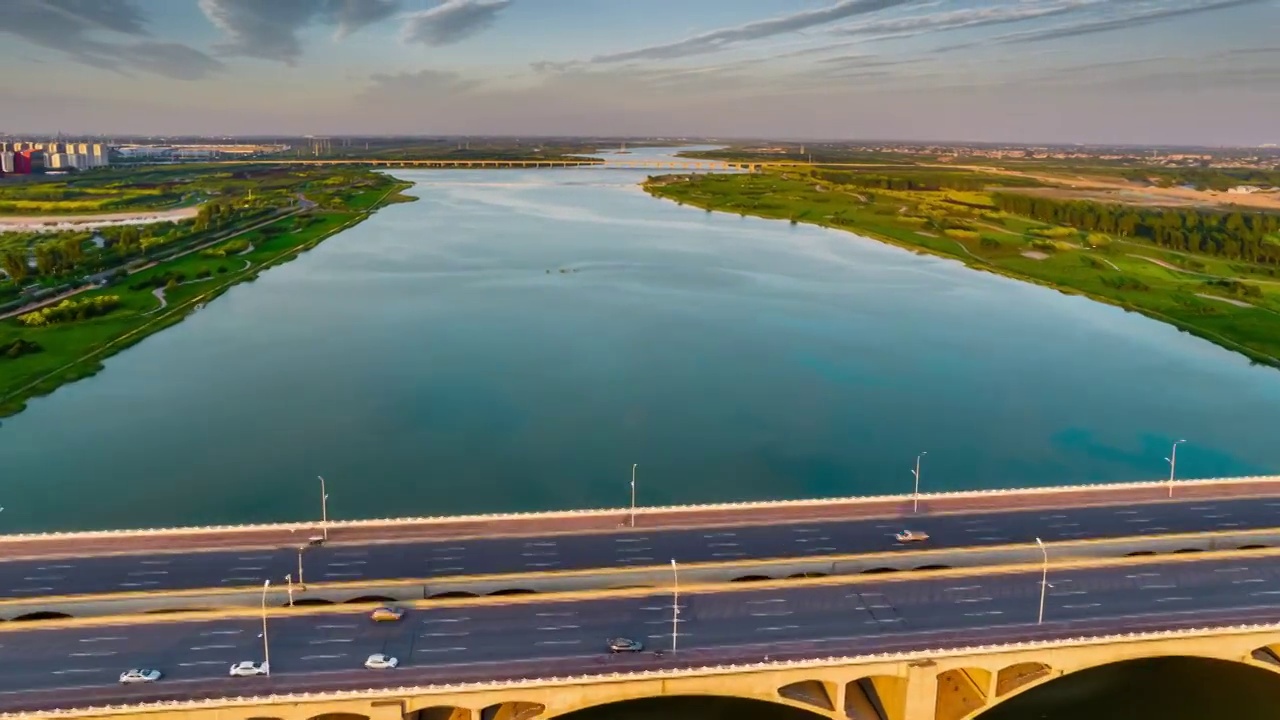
26	223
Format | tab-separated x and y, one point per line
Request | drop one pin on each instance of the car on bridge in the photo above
248	668
378	661
624	645
386	613
139	675
907	536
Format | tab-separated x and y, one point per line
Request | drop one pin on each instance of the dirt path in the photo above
164	303
1229	301
52	222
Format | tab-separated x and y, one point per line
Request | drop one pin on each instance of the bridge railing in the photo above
665	673
745	505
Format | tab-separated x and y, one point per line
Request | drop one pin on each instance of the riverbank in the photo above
1186	292
62	352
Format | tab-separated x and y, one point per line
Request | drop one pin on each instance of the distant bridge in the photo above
675	165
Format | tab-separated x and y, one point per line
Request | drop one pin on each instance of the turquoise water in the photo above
426	362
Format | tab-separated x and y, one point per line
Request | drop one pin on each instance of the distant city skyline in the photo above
1184	72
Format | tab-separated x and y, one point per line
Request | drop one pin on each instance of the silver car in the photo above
139	675
248	668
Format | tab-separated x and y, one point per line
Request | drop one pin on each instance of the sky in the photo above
1017	71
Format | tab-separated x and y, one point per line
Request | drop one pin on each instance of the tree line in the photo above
920	181
1234	235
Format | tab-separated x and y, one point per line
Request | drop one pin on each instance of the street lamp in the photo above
302	583
1173	463
266	648
633	494
915	495
1044	579
289	579
675	604
324	509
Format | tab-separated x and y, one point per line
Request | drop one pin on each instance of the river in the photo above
516	339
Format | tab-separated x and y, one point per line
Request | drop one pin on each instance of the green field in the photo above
1233	303
72	350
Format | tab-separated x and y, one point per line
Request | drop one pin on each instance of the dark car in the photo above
621	645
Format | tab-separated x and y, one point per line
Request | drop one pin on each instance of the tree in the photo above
47	260
15	265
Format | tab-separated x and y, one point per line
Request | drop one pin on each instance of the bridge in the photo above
824	623
670	165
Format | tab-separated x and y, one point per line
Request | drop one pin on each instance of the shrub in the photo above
18	348
71	310
962	234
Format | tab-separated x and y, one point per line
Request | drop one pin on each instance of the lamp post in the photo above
633	494
324	509
266	648
289	579
1173	463
915	495
675	604
1044	579
301	583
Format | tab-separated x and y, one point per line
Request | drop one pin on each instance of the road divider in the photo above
182	604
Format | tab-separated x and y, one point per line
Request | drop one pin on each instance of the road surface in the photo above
545	637
163	571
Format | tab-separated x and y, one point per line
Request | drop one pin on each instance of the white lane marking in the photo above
101	639
558	642
221	632
38	578
77	670
558	614
553	553
1232	524
145	583
328	641
144	573
445	620
349	563
323	657
1248	580
630	539
883	620
449	549
444	634
777	628
764	602
450	569
1217	516
352	553
1138	520
1231	569
194	663
552	628
984	613
820	549
350	574
542	564
643	548
815	538
727	554
1142	575
435	650
42	568
722	544
336	627
1064	525
1266	592
635	558
248	568
1172	599
1126	512
719	534
99	653
992	539
978	530
963	588
198	648
31	589
663	622
1081	606
1153	528
446	557
972	600
1053	517
1202	508
240	579
1157	587
540	544
1068	592
780	613
252	558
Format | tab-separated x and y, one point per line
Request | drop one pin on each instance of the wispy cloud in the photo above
75	28
1145	16
268	29
451	21
722	38
967	18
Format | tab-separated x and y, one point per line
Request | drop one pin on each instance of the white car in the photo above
907	536
378	661
249	668
139	675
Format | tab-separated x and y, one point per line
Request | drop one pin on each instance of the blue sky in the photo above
1142	71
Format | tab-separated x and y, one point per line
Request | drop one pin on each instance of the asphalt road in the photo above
160	571
65	667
